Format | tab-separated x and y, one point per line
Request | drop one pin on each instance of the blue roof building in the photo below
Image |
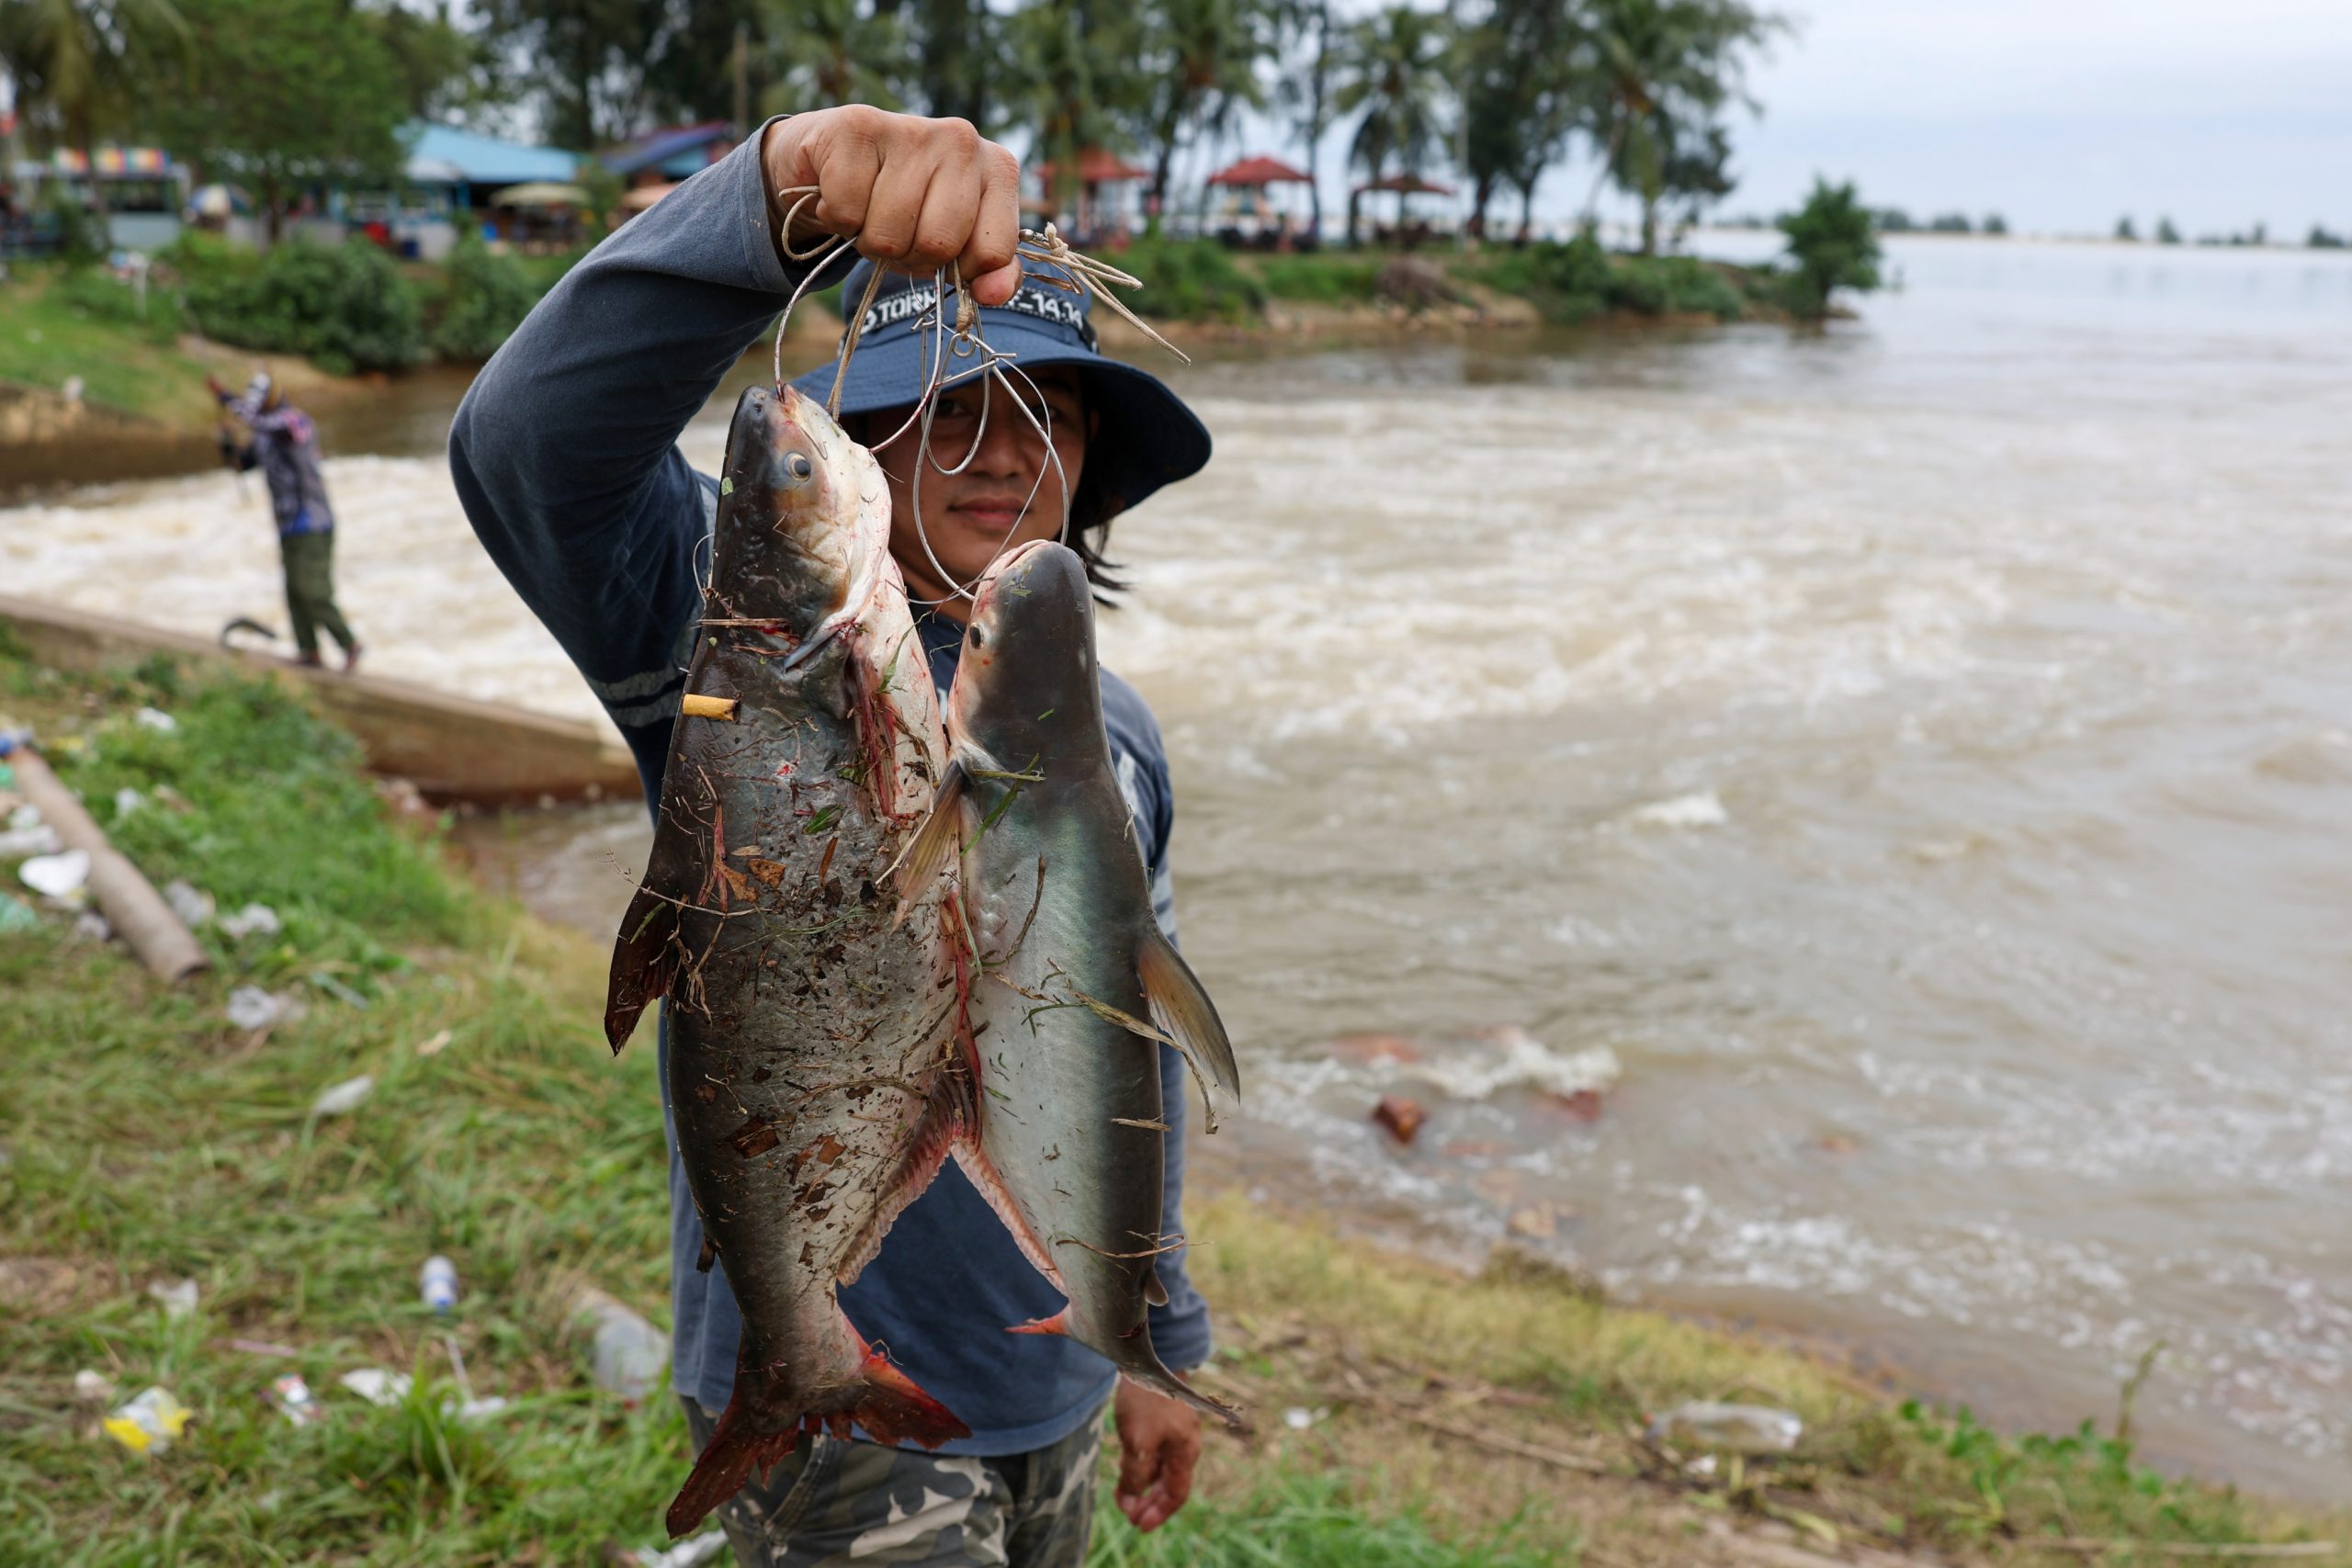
443	155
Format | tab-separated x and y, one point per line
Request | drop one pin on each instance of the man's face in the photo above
971	517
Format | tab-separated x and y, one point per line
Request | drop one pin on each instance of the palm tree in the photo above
830	52
1075	80
1308	93
1662	71
1393	68
1202	64
77	63
1518	67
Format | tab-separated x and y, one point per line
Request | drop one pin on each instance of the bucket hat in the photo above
1145	436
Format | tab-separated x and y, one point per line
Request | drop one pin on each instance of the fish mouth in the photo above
793	491
1013	562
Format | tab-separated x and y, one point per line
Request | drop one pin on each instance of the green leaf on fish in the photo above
825	817
727	485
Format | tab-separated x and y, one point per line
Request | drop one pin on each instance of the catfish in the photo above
813	1071
1078	987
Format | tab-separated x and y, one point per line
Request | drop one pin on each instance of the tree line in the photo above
270	93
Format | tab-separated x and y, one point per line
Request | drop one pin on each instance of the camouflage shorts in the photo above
833	1502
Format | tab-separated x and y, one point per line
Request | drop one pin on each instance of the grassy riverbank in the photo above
1445	1420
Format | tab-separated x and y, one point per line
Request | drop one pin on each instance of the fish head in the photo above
1025	683
803	530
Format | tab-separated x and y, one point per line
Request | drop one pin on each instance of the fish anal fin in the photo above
991	1188
645	962
1184	1013
946	1114
937	844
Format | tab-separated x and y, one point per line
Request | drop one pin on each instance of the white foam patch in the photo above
1702	809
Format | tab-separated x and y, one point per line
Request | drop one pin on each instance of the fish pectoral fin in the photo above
1153	1290
1185	1013
1058	1324
645	962
937	844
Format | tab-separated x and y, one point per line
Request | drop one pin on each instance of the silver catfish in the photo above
1078	986
814	1072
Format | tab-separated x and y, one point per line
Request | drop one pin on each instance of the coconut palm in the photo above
1201	65
1517	64
830	52
1662	72
77	63
1305	92
1075	81
1393	70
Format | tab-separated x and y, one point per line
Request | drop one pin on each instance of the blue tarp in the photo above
441	154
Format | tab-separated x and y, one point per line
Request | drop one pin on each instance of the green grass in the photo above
54	326
1303	1520
147	1139
1321	277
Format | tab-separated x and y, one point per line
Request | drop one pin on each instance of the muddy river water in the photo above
1908	768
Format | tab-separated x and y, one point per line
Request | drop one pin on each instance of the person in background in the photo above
284	444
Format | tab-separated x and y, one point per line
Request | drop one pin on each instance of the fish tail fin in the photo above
736	1449
876	1395
645	962
1159	1380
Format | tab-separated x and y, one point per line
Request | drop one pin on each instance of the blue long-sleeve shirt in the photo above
566	461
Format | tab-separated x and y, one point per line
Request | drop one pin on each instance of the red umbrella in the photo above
1260	172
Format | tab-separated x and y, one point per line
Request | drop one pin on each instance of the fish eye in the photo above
798	467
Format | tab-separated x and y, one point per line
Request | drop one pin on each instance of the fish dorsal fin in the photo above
937	844
1185	1013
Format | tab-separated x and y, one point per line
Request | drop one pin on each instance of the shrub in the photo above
80	239
1320	278
105	297
487	297
1188	280
1833	247
347	308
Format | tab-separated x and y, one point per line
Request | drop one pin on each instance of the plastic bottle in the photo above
1742	1428
630	1353
437	1282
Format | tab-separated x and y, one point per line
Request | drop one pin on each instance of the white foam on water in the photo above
1702	809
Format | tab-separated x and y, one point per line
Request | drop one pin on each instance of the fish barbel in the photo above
813	1072
1072	965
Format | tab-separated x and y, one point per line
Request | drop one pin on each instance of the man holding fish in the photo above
565	459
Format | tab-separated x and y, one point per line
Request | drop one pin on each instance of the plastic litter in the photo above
250	1007
291	1396
692	1553
436	1045
251	918
157	719
192	907
27	834
631	1355
1298	1417
178	1296
376	1385
128	800
91	926
437	1283
93	1387
149	1423
1740	1429
15	915
344	1097
58	875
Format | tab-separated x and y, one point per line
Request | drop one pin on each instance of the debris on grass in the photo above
149	1424
178	1297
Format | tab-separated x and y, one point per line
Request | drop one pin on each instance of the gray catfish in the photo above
1072	963
813	1073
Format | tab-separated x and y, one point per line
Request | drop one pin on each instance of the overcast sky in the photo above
2065	114
2061	115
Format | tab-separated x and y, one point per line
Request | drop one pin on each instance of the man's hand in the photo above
212	385
917	193
1160	1441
